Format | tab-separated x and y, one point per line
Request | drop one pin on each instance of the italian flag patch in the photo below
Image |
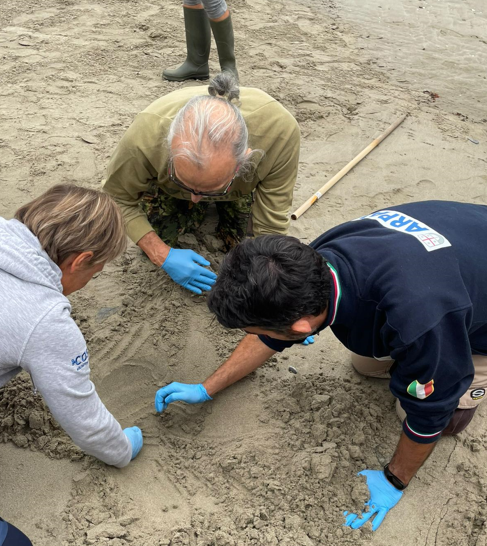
418	390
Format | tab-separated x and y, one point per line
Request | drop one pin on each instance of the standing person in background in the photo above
200	18
52	248
197	147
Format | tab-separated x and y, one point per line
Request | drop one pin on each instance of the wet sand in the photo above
273	459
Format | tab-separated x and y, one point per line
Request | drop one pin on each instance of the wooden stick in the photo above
305	206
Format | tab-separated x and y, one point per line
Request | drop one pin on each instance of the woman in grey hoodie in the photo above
53	247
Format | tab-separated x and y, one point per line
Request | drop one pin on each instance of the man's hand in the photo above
191	394
249	355
134	434
383	497
185	267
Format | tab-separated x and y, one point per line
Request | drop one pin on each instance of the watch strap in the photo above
393	480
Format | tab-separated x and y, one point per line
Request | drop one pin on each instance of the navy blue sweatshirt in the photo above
410	282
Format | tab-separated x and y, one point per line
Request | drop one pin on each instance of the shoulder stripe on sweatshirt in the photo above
338	291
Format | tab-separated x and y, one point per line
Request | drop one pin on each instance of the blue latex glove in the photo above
134	434
191	394
309	340
185	268
383	497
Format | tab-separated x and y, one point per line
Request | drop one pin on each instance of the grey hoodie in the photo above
38	335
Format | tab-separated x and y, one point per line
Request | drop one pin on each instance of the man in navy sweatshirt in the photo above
404	289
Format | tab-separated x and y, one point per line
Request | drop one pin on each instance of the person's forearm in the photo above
408	458
84	418
247	357
155	248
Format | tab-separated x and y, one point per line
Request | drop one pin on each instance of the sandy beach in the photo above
272	460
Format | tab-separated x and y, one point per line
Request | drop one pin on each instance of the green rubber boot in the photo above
225	44
198	43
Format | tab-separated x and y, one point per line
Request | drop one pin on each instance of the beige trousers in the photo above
372	367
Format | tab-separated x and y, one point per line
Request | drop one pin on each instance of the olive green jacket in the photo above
141	159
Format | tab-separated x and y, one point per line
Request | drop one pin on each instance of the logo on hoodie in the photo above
418	390
80	361
391	219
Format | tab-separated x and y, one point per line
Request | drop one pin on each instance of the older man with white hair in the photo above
197	146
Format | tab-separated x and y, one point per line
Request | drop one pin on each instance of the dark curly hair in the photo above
270	282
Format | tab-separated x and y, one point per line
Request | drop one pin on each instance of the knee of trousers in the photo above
472	398
214	8
400	412
371	367
478	389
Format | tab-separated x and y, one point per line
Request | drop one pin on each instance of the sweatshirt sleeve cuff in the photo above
127	458
259	229
276	344
419	437
138	227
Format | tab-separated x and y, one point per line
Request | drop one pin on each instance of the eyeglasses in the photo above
174	180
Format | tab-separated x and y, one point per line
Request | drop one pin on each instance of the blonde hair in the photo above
68	220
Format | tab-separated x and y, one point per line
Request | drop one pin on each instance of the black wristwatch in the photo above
394	480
